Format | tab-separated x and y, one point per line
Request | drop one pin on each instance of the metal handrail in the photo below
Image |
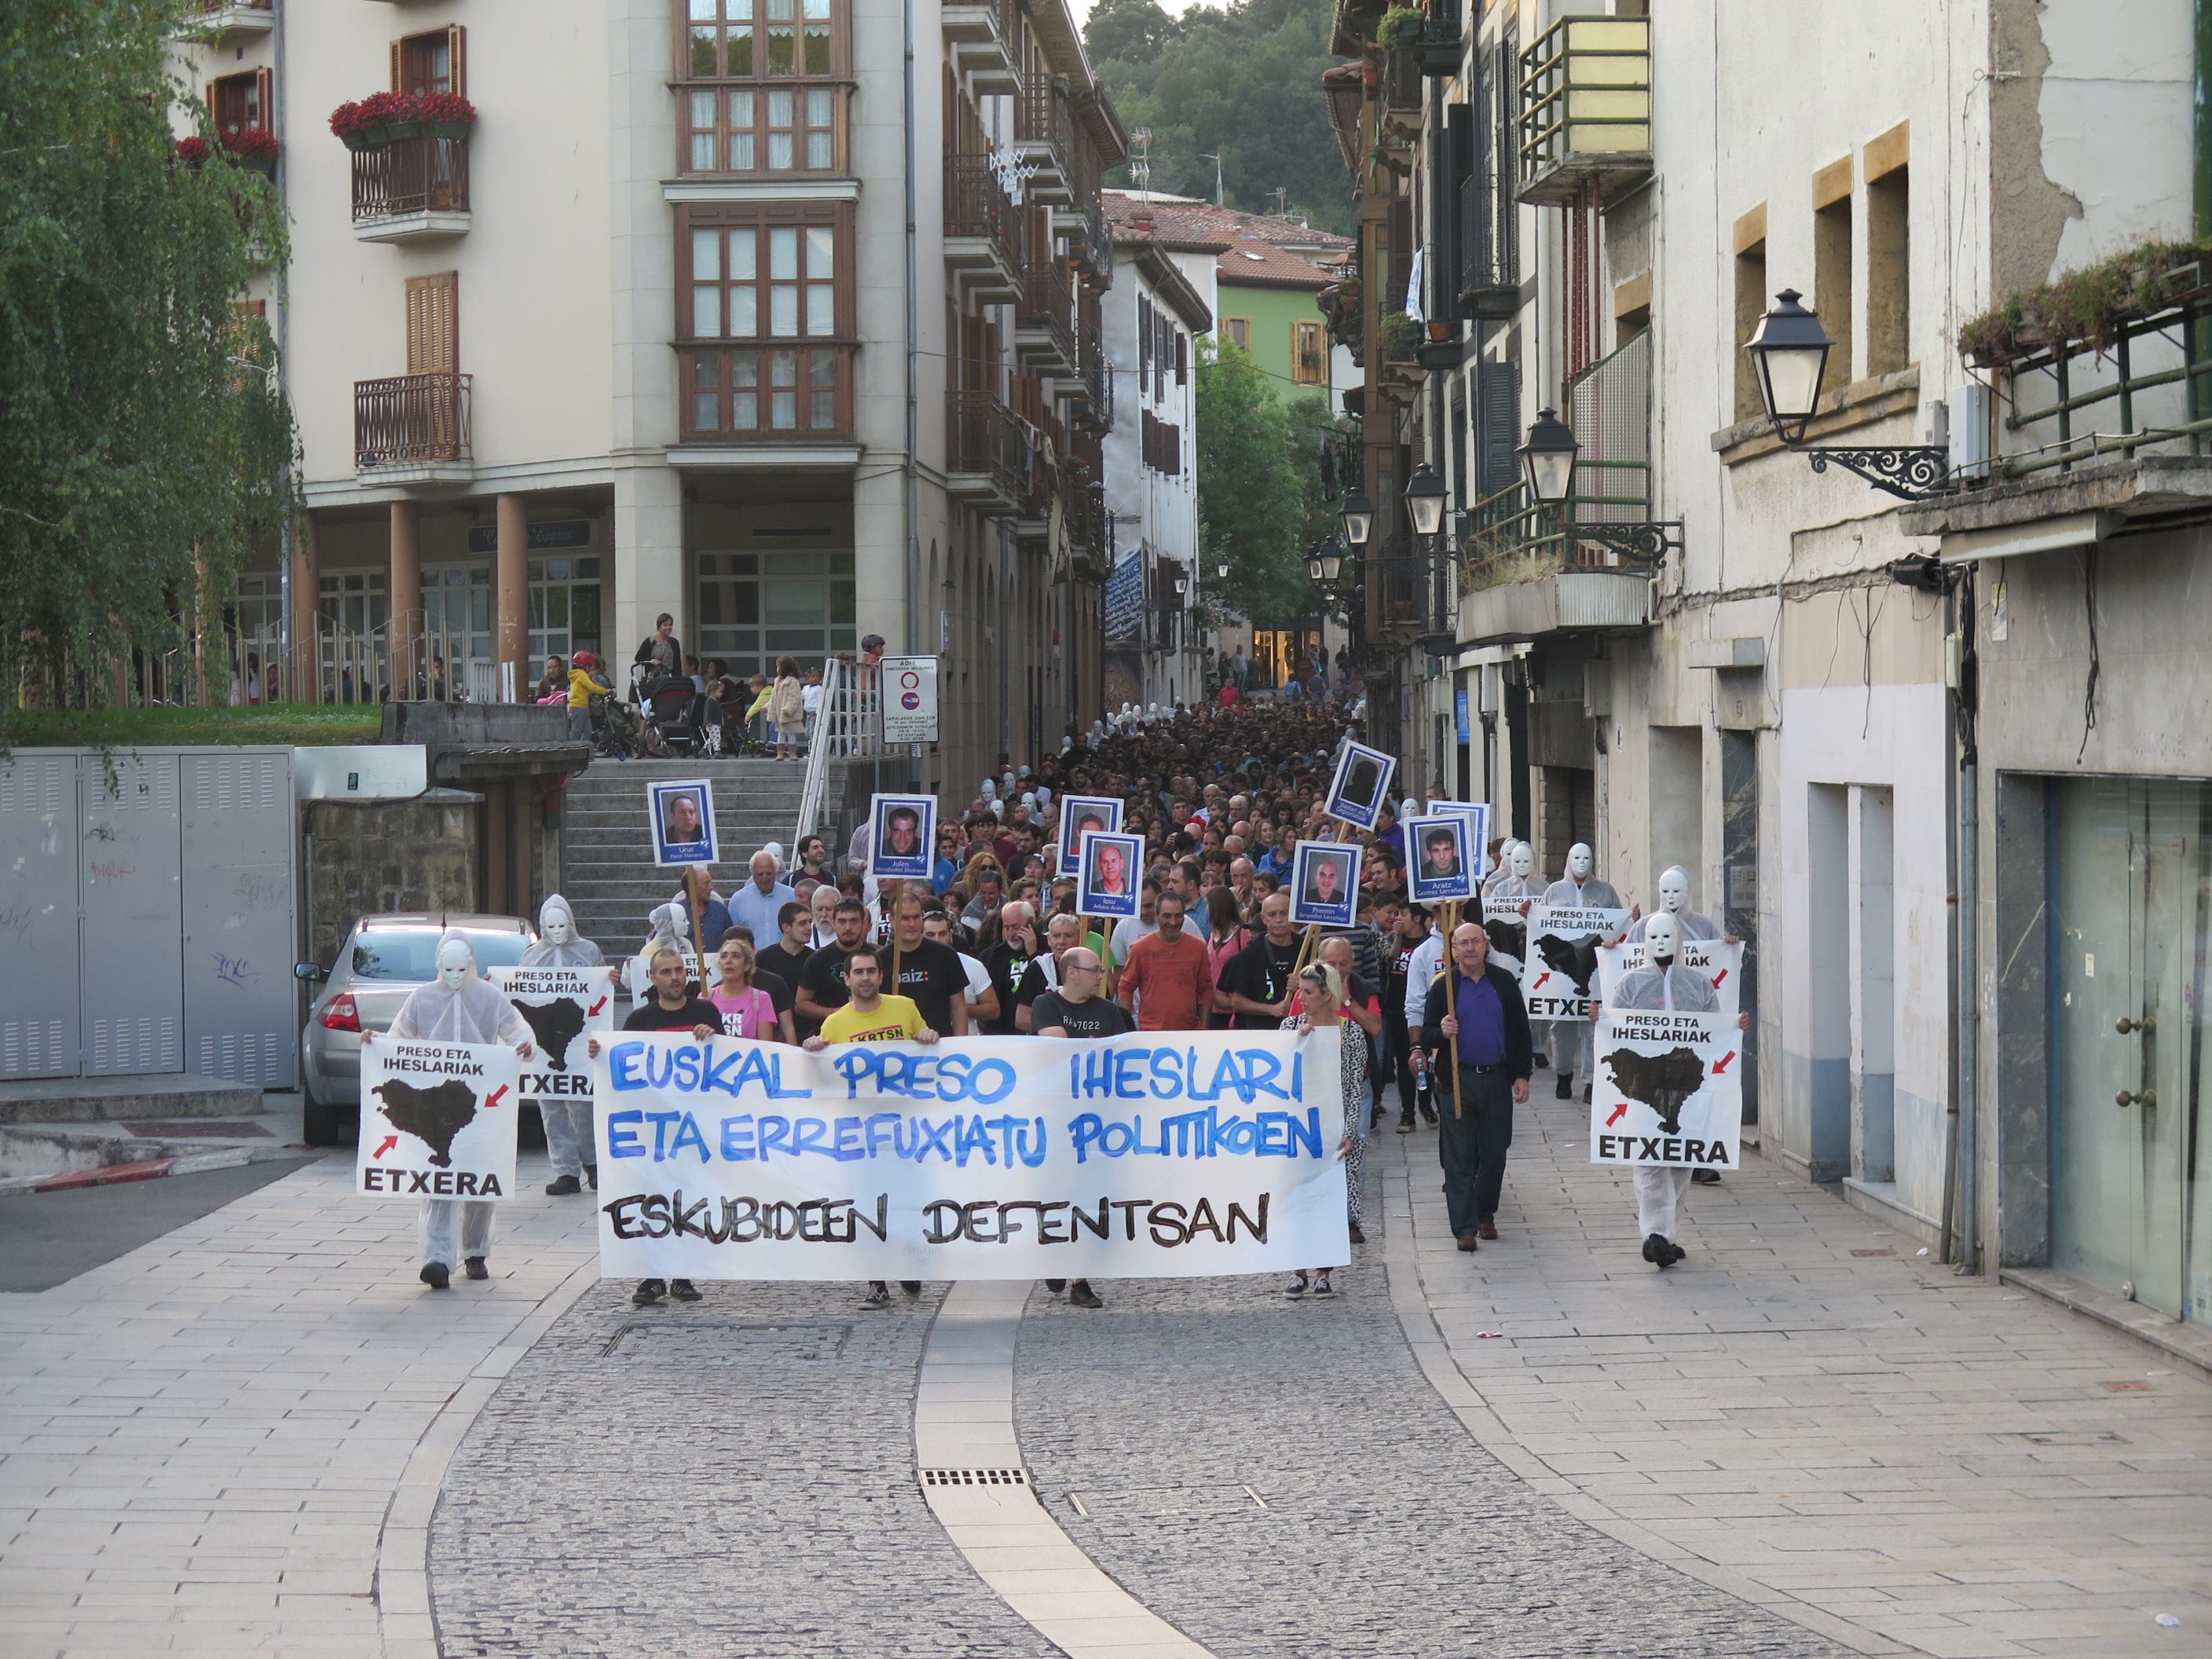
2166	401
818	755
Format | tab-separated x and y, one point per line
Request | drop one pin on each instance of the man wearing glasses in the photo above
1079	1008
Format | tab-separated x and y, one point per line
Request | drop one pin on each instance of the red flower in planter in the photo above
192	151
446	107
251	144
379	109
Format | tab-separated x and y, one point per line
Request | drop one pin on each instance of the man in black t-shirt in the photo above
930	976
1008	960
1406	929
672	1007
1256	982
1079	1008
786	957
1063	934
822	982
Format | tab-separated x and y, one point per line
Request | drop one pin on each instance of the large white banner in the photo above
1668	1090
1159	1155
1718	960
437	1119
1558	970
565	1008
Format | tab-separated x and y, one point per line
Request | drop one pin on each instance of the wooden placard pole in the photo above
1451	1000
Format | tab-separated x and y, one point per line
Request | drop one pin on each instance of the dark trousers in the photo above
1472	1146
1402	1052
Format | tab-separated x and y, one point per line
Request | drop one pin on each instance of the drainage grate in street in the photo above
726	1341
974	1478
197	1128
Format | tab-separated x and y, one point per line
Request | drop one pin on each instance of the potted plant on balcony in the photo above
380	119
254	147
192	150
1397	333
447	114
1401	28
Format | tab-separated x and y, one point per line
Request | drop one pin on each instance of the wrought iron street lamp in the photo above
1357	514
1313	565
1425	500
1181	582
1547	458
1221	568
1330	557
1790	357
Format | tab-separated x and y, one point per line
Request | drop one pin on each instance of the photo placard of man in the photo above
902	831
680	815
1356	793
1324	884
1081	815
1107	883
1443	869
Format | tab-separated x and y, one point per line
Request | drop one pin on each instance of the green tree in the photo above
1242	83
143	444
1253	488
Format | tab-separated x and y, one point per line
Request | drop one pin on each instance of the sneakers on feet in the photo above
435	1274
1406	1124
878	1296
1321	1286
1080	1295
683	1289
564	1186
475	1268
1297	1286
649	1291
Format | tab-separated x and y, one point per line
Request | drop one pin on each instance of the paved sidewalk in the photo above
206	1444
1808	1412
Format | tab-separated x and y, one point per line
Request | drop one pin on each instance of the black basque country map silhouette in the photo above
1662	1082
1576	957
433	1115
555	1024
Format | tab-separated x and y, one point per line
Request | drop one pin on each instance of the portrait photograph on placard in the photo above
1325	884
1081	815
1357	792
1477	814
680	813
902	830
1443	867
1112	874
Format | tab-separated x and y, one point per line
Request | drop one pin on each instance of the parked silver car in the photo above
383	959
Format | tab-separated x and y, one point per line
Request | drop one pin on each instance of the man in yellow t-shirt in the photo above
871	1017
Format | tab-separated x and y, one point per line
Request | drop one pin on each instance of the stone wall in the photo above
365	858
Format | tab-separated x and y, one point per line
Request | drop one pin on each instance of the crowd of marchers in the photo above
810	950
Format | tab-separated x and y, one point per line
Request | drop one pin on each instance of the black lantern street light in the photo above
1332	562
1548	461
1221	568
1181	582
1424	501
1357	514
1313	564
1790	357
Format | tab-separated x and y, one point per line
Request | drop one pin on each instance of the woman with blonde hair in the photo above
746	1010
1322	990
787	709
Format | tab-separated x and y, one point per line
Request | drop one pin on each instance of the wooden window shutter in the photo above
399	69
265	100
457	55
433	324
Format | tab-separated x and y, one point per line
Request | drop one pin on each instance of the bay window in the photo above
764	86
765	319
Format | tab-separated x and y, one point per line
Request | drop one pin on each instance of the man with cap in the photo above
1573	1041
459	1006
571	1141
1663	985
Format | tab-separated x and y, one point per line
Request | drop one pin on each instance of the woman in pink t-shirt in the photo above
746	1010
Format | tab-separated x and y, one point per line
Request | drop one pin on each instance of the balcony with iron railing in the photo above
412	190
981	38
1044	323
1489	251
980	229
1585	108
1442	48
986	459
1092	390
1044	139
1409	593
413	429
214	22
1401	91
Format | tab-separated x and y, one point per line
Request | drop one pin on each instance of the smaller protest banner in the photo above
437	1119
1081	815
1477	814
1507	927
680	815
1559	971
1112	874
1360	786
1325	884
1669	1091
563	1006
1717	960
1442	863
902	831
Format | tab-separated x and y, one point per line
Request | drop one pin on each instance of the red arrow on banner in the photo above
602	1003
1542	979
1718	978
1722	1064
390	1141
495	1094
1618	1113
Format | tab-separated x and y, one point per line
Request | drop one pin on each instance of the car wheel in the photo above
325	1126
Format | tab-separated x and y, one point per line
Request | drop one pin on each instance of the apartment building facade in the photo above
1875	697
634	324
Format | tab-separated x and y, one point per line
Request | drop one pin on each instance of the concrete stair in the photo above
607	872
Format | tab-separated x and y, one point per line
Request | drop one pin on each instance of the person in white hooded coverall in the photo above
570	1142
459	1006
1674	900
1571	1039
1665	985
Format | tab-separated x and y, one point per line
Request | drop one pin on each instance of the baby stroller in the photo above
676	715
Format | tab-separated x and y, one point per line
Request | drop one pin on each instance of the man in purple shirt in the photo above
1476	1010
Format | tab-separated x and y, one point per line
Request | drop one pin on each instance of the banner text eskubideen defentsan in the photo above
1159	1154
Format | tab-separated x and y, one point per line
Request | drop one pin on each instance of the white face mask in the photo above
1579	860
555	927
1662	937
456	968
1519	860
1674	889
